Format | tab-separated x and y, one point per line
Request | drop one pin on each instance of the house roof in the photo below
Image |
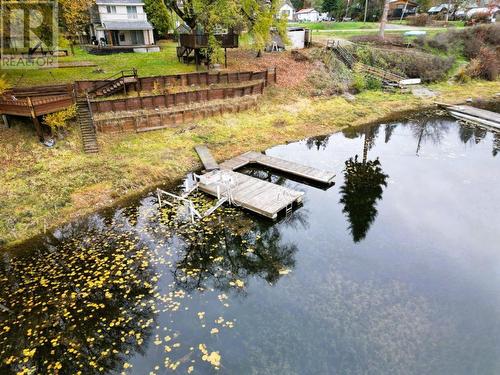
410	3
438	8
127	25
289	3
306	10
119	2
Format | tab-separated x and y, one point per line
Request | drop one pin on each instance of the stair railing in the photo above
90	111
111	80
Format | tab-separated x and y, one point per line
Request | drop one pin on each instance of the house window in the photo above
132	12
111	9
122	37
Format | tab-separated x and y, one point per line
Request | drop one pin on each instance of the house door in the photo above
137	37
115	39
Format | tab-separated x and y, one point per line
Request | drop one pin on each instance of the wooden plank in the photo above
489	118
206	158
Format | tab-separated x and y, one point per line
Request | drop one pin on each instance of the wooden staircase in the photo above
388	79
342	53
115	83
87	128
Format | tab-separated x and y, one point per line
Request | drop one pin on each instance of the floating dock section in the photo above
261	197
280	165
478	116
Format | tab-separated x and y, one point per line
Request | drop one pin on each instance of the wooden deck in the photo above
258	196
285	166
477	115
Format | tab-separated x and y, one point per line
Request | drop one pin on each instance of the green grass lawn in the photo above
148	64
346	34
336	25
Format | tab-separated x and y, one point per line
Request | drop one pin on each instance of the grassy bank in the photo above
43	188
148	64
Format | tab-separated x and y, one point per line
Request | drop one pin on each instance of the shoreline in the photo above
278	120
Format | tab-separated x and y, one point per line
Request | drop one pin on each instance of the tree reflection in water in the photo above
363	182
320	142
233	249
428	129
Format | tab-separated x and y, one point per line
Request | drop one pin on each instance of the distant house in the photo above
307	15
397	7
121	23
286	11
441	8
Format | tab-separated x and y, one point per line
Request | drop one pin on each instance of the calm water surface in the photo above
393	270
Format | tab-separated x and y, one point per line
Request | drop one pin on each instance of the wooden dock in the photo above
280	165
262	197
476	115
258	196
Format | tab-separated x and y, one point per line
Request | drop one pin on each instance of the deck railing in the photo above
229	40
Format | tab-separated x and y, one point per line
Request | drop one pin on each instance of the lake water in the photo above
393	270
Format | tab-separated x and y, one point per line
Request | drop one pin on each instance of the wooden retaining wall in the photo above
137	123
188	79
169	100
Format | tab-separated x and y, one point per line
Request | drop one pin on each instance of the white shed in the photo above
308	15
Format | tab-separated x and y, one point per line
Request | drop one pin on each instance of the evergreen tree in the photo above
159	16
332	6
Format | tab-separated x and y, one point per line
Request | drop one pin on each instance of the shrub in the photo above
332	77
58	121
477	18
462	75
414	65
3	85
473	69
488	63
422	19
373	83
358	82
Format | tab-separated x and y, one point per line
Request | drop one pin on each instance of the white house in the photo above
121	23
308	15
286	11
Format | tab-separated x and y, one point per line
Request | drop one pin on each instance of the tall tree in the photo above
383	20
75	15
159	16
259	16
333	7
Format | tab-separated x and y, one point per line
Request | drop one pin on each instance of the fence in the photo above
169	100
187	79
